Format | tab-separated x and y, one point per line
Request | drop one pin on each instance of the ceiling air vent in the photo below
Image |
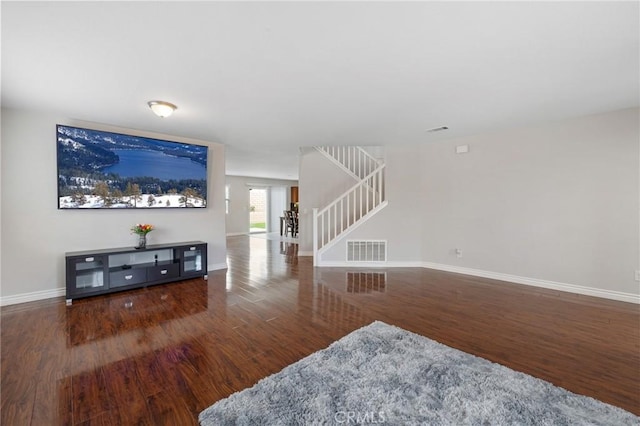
437	129
367	251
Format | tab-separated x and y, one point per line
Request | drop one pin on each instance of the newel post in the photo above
315	236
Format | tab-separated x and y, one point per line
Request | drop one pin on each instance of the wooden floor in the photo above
158	356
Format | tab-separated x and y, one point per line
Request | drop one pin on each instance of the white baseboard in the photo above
553	285
58	292
235	234
32	297
388	264
305	253
571	288
216	266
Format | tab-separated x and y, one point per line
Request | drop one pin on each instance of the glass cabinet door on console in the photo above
101	271
194	260
88	274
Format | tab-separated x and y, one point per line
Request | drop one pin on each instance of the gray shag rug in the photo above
386	375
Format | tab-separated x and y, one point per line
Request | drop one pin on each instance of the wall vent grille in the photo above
367	251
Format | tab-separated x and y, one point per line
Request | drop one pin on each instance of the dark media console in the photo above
94	272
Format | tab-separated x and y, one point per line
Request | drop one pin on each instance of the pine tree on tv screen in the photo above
105	170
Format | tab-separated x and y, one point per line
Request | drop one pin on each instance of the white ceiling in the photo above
266	78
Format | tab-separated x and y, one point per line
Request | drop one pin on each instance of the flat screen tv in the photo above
105	170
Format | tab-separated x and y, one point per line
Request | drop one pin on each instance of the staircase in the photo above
353	160
364	199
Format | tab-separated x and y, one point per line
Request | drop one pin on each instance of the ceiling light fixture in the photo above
162	108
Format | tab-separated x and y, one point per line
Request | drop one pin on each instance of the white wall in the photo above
555	205
279	200
558	202
1	168
399	223
36	235
237	220
321	182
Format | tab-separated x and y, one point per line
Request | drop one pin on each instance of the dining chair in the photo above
291	223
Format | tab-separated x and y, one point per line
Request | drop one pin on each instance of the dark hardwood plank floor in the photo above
160	355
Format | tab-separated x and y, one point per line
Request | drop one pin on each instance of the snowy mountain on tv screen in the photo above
99	169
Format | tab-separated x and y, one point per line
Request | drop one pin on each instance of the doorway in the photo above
258	208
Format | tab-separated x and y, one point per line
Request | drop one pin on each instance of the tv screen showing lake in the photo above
98	169
134	163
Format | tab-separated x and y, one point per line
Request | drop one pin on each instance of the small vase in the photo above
142	241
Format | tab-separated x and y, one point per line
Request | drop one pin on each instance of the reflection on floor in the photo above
366	282
160	355
275	236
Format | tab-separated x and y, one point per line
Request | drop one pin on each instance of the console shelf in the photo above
94	272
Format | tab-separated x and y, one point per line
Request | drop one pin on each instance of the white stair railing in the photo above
348	210
352	159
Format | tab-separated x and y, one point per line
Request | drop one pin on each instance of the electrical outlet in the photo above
458	252
637	275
